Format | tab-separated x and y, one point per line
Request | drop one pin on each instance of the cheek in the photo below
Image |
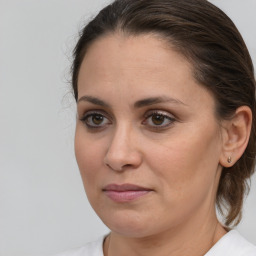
89	156
187	164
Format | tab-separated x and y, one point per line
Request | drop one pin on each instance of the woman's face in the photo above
147	141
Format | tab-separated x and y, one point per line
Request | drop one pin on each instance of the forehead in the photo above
131	55
136	66
144	47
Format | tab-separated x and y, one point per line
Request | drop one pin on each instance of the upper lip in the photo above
125	187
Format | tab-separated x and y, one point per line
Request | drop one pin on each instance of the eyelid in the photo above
96	111
169	118
90	113
159	112
163	113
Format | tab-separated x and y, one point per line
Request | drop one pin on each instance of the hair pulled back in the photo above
212	44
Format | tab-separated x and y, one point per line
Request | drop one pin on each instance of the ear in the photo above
235	136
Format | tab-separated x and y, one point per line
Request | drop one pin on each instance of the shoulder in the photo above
94	248
232	244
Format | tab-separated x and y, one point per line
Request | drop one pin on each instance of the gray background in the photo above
43	208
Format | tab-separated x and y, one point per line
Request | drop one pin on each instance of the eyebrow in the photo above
156	100
94	100
137	104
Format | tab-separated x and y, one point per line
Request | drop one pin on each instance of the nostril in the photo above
122	158
113	167
119	168
127	165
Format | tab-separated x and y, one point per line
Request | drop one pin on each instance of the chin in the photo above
126	223
131	224
130	230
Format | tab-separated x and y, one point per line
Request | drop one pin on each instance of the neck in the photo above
194	238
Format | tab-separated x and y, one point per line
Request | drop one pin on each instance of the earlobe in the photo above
235	136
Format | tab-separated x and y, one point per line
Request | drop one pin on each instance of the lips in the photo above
125	192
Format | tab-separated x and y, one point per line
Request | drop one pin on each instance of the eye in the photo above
95	120
158	119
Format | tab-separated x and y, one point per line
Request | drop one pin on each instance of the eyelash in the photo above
162	114
88	115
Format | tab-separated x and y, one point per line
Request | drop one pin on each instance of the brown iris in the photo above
97	119
158	119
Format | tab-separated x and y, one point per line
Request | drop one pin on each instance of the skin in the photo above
179	160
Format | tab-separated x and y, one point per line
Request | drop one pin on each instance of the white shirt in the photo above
231	244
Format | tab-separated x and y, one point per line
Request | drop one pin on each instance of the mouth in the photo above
125	192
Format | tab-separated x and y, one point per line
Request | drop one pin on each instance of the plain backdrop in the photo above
43	207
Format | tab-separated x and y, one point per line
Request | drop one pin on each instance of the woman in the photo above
165	95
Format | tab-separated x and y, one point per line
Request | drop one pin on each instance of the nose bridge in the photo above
121	142
123	149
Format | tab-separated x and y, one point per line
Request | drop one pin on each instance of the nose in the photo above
123	151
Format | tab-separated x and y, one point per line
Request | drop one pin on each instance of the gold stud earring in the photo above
229	160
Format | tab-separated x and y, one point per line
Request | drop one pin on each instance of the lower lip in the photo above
125	196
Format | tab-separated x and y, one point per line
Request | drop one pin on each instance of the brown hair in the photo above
212	44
